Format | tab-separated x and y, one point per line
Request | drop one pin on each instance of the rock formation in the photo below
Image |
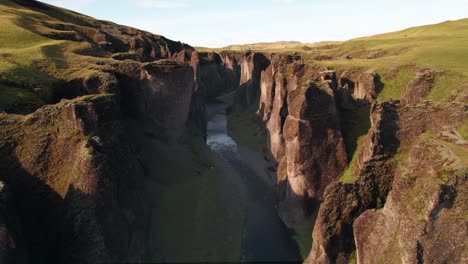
66	165
395	128
76	172
304	137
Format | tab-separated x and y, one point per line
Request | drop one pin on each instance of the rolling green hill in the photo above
394	56
46	51
42	48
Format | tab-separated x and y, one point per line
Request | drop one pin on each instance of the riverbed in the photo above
265	237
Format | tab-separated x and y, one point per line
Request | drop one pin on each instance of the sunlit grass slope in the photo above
395	56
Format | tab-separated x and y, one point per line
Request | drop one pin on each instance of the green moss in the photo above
303	237
17	100
227	98
30	60
393	87
175	219
463	130
350	174
359	128
246	130
352	259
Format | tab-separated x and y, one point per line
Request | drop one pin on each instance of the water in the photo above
265	236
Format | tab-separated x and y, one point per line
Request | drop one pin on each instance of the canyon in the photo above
126	154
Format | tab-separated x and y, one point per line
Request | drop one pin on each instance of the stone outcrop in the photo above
251	67
125	42
72	167
421	85
366	89
67	165
304	136
422	220
218	73
395	128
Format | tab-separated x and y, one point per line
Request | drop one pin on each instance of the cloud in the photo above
160	4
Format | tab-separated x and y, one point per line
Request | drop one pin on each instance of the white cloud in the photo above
160	4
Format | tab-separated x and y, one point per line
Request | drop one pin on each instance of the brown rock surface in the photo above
395	128
219	73
366	88
424	219
303	132
419	87
66	165
251	67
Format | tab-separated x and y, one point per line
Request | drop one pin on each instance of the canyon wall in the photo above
74	181
77	169
396	129
306	112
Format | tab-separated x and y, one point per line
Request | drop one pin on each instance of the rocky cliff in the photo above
297	106
311	118
73	178
125	109
73	168
396	129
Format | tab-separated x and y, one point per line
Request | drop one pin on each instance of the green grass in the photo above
350	174
442	47
463	130
243	127
303	237
393	87
186	211
352	259
445	85
18	100
188	221
246	131
227	98
354	131
32	61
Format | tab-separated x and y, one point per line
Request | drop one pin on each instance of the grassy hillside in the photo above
31	63
48	52
394	56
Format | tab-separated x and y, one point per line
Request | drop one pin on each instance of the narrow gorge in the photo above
137	148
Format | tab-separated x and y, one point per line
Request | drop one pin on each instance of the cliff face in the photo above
422	218
296	104
305	113
67	165
73	168
74	173
218	73
396	128
160	95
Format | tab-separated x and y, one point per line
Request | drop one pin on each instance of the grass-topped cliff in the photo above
131	173
48	52
394	56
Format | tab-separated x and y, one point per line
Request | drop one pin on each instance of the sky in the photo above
218	23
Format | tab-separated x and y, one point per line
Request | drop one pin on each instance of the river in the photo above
265	237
